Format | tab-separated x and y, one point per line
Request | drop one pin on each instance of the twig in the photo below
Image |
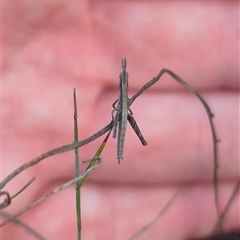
30	182
165	208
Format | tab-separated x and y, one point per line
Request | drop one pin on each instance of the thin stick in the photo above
210	118
24	187
165	208
77	169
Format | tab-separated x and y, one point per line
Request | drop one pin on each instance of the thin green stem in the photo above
77	168
95	160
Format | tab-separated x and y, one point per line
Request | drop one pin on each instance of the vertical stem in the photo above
77	168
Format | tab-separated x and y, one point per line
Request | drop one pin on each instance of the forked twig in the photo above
224	213
8	198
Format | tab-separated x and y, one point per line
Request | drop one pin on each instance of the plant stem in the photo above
77	168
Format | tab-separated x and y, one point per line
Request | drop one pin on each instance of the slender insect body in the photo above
123	105
122	114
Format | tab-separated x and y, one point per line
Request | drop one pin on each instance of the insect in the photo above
123	114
